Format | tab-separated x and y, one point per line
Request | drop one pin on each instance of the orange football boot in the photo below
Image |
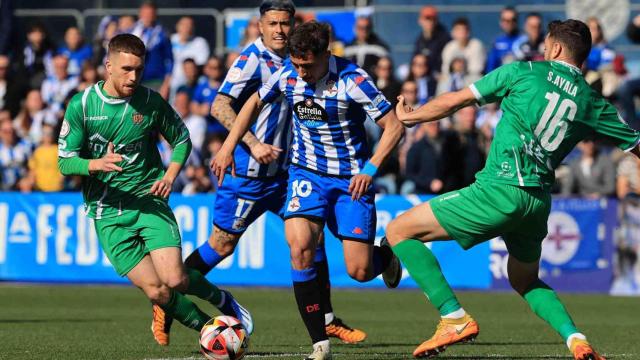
448	332
160	326
343	332
583	351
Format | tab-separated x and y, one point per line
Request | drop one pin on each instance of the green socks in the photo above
202	288
425	271
185	311
546	304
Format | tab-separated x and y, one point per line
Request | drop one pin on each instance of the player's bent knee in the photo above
179	282
394	233
359	274
301	258
158	293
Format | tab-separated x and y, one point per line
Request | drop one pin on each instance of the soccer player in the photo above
261	167
548	108
106	136
330	174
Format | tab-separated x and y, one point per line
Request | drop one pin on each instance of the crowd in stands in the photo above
37	81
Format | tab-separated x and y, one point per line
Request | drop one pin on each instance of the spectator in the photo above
431	161
591	175
158	62
12	88
126	23
463	46
206	92
433	38
191	76
56	88
6	26
32	117
456	78
601	54
88	76
198	180
628	177
630	88
421	75
367	47
385	80
37	55
502	50
472	146
530	45
196	124
75	50
107	29
186	45
14	154
251	33
43	165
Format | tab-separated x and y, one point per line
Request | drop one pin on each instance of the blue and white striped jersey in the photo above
250	70
328	116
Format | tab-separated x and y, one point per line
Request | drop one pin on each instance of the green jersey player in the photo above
108	137
548	108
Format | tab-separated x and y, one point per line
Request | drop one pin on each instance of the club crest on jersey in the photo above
137	118
310	113
294	204
331	89
238	224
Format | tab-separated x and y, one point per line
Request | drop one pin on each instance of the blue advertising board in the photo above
47	237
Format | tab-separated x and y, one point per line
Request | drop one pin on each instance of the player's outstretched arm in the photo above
76	165
264	153
436	109
221	110
391	135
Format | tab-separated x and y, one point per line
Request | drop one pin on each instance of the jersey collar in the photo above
260	45
109	100
572	67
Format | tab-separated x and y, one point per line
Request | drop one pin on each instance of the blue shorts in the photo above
327	199
240	201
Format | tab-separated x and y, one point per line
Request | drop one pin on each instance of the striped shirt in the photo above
328	116
13	162
252	68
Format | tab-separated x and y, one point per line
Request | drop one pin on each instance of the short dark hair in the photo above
281	5
511	9
534	14
127	43
311	37
461	21
574	35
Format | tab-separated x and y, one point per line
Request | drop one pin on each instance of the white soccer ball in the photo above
224	338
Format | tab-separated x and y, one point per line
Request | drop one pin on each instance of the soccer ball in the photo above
224	338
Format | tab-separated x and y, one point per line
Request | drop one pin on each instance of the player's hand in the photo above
265	153
403	110
161	188
359	185
220	163
107	163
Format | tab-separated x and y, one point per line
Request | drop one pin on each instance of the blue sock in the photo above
303	275
209	255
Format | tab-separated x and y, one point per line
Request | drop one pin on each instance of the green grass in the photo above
93	322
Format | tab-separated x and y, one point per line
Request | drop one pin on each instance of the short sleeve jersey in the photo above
548	108
328	116
93	120
250	70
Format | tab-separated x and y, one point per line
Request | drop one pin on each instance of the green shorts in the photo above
128	238
482	211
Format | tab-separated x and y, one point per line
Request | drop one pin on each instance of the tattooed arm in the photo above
223	112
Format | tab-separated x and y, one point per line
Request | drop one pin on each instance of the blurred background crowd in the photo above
38	79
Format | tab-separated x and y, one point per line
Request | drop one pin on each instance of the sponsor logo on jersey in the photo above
64	130
505	170
357	231
95	118
310	113
234	74
137	118
294	204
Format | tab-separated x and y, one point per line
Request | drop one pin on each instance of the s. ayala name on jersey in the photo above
310	113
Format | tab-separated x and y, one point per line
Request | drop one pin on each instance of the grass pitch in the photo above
95	322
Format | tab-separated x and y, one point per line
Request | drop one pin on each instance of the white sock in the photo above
324	344
458	314
328	318
575	335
